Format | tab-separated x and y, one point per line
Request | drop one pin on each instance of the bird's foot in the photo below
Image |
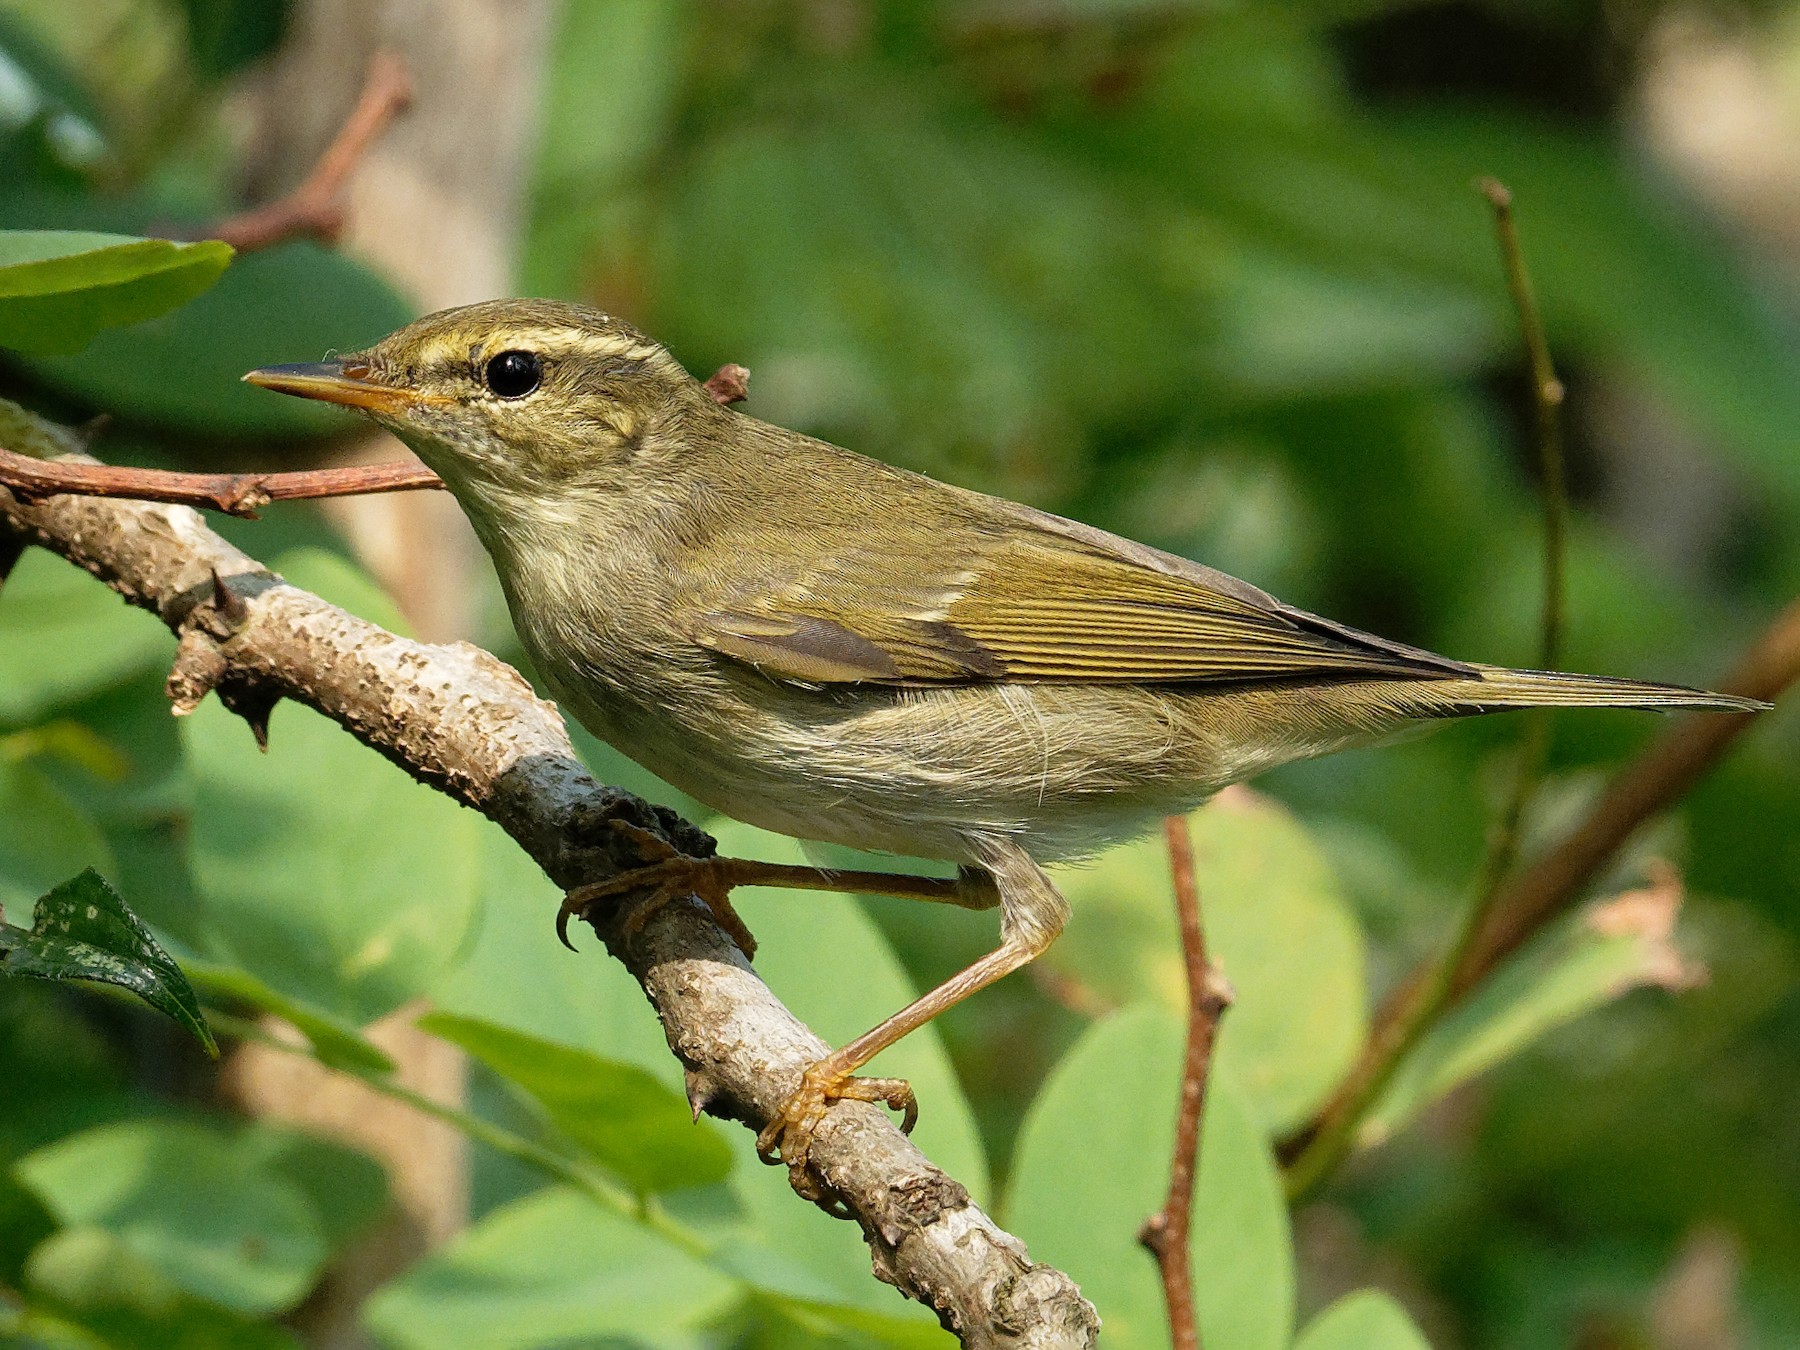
666	875
788	1136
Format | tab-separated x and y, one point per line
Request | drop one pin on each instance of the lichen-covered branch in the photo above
461	721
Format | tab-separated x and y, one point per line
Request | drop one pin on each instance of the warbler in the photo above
836	649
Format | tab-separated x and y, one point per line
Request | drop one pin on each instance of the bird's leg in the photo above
1033	912
667	875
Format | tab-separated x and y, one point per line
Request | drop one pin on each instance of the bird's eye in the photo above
514	374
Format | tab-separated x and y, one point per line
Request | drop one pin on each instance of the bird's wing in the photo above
1029	597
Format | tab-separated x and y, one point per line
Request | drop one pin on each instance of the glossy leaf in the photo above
59	289
552	1269
1365	1320
1276	922
83	930
192	1203
617	1113
1092	1164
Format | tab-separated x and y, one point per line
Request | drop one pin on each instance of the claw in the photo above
788	1136
669	876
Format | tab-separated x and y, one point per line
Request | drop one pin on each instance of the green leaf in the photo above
182	371
83	930
1092	1165
617	1113
195	1205
64	635
336	1043
325	871
60	288
98	1281
1365	1320
47	836
1276	922
552	1269
1581	964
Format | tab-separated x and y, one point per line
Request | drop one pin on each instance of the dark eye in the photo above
514	374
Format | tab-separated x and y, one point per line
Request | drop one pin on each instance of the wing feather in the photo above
1044	600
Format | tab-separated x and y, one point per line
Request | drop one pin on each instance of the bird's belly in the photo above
1066	771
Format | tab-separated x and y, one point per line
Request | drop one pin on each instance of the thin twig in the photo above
315	209
236	494
1553	884
1165	1233
245	494
1504	916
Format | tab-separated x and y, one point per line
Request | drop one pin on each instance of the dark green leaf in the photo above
182	371
59	289
226	35
83	930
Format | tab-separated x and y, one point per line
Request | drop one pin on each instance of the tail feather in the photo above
1499	688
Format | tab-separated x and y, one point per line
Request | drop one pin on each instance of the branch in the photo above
459	720
315	209
245	494
1165	1233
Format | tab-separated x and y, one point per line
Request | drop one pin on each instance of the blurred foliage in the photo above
1210	275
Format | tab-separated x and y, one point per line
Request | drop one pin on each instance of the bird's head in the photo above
516	397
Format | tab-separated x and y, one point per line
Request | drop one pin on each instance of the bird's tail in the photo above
1498	688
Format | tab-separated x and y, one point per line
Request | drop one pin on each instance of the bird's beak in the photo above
346	383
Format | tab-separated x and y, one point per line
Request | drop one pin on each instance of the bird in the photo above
844	651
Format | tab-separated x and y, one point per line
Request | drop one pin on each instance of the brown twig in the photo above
245	494
1552	885
1504	916
1165	1233
459	720
315	209
236	494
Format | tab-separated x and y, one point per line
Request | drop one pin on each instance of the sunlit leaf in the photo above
324	870
190	1202
83	930
552	1269
1366	1320
617	1113
1276	922
1092	1165
59	289
1581	964
64	635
